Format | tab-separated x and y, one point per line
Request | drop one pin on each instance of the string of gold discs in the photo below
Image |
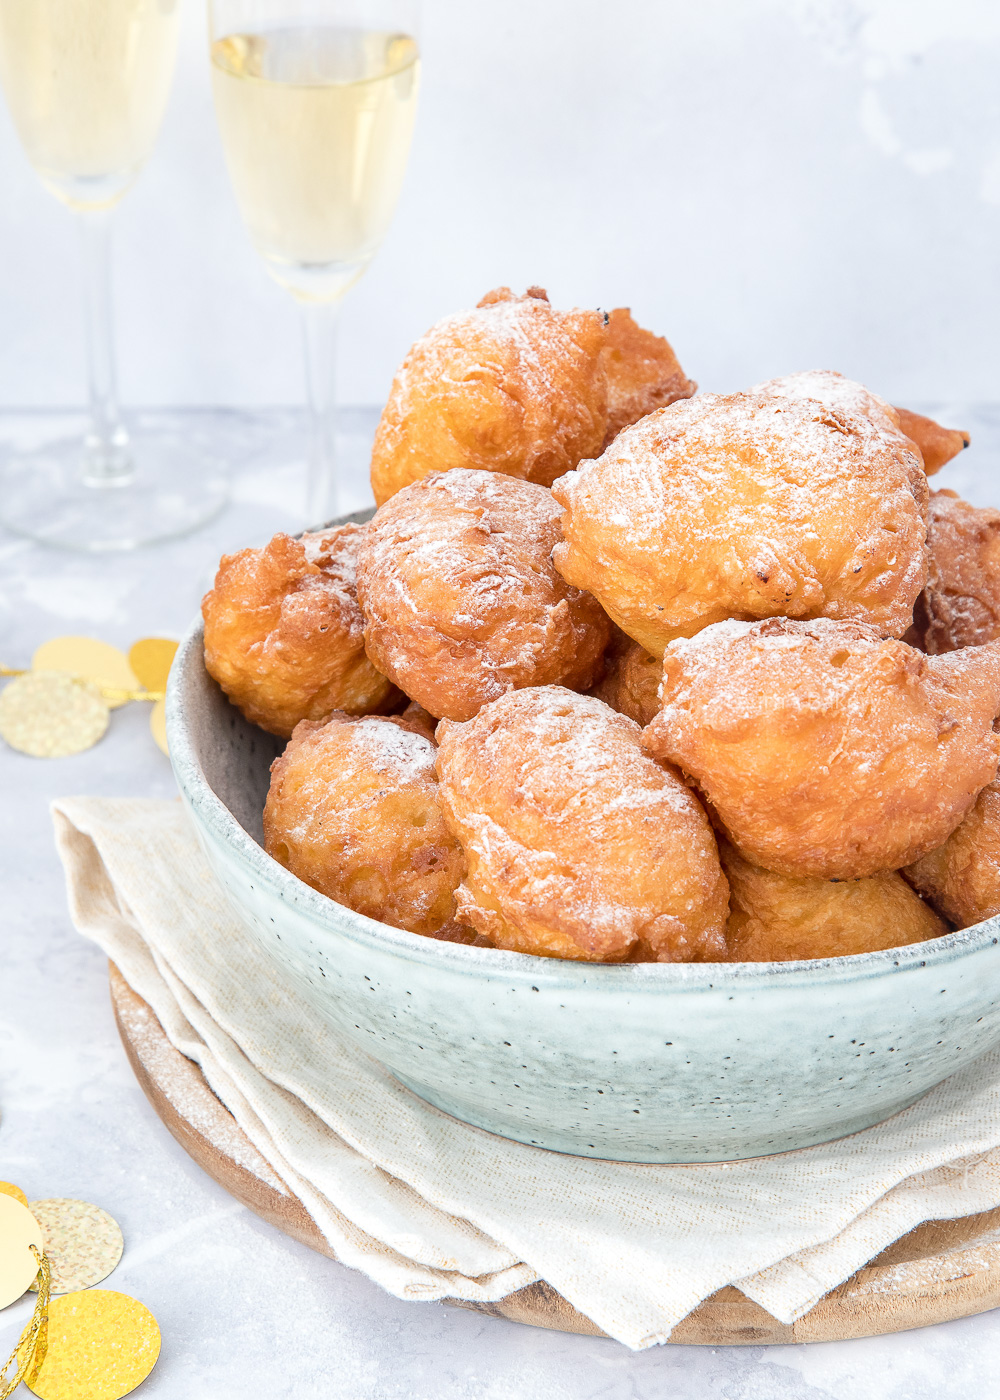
62	704
81	1342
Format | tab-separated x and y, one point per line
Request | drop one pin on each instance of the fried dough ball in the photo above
936	445
631	683
824	749
962	878
513	386
460	597
748	505
960	606
577	844
781	918
643	373
353	811
284	633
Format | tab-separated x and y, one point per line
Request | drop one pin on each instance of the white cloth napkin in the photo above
431	1208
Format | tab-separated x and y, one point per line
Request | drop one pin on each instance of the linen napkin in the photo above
429	1207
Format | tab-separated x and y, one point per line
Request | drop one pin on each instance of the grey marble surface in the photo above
243	1310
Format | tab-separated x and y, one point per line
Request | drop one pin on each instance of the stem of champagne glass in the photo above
107	459
319	323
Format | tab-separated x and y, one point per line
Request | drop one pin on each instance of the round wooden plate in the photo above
942	1270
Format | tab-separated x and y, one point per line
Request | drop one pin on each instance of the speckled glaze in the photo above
643	1063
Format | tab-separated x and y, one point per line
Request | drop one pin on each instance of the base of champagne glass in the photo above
179	483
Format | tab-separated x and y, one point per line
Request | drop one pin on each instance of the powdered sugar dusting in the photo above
182	1085
575	833
828	387
461	599
826	750
751	504
512	386
532	331
386	745
335	553
717	659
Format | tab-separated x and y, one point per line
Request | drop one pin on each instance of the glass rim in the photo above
226	18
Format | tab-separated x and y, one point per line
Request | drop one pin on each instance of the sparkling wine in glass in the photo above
86	82
316	101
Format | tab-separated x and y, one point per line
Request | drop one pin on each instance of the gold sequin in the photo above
150	659
82	1241
19	1230
158	725
89	660
7	1188
48	714
98	1345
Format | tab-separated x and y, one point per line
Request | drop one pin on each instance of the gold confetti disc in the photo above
99	1345
48	714
82	1241
19	1230
7	1188
90	660
158	725
150	659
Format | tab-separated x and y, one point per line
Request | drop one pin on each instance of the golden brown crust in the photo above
417	718
631	683
577	844
642	370
758	504
781	918
460	597
513	386
353	811
962	878
935	444
960	606
825	750
284	633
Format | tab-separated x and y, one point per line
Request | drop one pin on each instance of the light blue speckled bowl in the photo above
641	1063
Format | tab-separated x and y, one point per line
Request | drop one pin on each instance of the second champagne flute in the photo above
316	101
86	82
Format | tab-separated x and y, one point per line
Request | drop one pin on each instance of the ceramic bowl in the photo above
639	1063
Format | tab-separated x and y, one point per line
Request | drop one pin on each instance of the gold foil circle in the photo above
98	1345
19	1230
7	1188
89	660
158	725
150	658
82	1241
48	714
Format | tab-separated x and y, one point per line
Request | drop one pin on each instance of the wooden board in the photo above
942	1270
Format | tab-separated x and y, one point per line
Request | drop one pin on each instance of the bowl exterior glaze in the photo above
639	1063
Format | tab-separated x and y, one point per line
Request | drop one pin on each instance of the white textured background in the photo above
774	184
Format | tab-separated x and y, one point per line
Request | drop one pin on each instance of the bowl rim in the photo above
334	921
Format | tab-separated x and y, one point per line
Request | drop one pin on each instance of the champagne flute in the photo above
316	101
87	82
